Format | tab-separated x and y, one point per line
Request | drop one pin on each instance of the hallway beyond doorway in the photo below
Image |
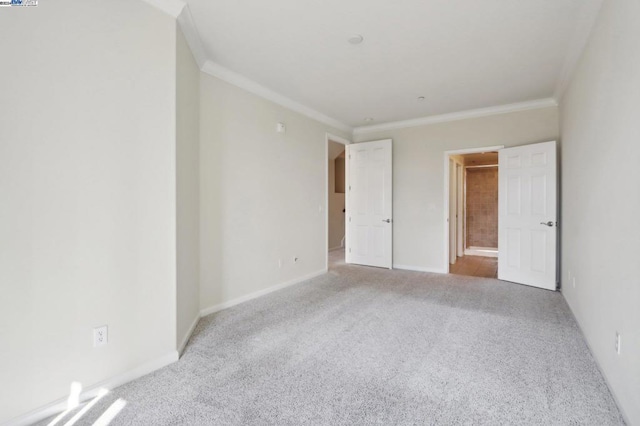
476	266
336	258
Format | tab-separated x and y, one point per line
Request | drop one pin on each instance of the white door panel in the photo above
527	222
369	204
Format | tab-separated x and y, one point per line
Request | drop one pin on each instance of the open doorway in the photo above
472	214
336	200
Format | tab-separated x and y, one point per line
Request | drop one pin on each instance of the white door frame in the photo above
345	142
447	183
453	210
460	228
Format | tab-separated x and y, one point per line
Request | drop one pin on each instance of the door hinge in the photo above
349	249
349	187
349	218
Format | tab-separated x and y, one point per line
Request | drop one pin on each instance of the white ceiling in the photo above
459	54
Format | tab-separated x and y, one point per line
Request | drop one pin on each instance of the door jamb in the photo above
460	213
447	183
345	142
453	184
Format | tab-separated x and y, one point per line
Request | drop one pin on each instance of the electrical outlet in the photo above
573	282
618	343
100	336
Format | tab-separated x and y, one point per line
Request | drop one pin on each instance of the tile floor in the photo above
475	266
336	258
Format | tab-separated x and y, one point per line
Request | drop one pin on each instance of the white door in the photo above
369	203
527	215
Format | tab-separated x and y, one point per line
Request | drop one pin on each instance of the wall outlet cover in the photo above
100	336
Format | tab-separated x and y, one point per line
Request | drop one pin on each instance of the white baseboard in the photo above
60	405
597	361
419	269
481	251
216	308
336	248
188	335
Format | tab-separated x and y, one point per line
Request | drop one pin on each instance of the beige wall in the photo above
87	177
482	207
188	189
600	202
418	174
262	193
340	177
336	199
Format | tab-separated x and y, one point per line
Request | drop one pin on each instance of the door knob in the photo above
550	223
386	220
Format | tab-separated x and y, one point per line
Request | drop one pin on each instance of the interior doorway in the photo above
472	212
336	199
527	213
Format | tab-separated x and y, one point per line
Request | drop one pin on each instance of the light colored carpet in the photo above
370	346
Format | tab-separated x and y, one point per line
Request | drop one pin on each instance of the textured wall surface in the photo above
482	207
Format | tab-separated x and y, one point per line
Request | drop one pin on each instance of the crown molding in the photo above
586	22
454	116
181	12
190	31
249	85
170	7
